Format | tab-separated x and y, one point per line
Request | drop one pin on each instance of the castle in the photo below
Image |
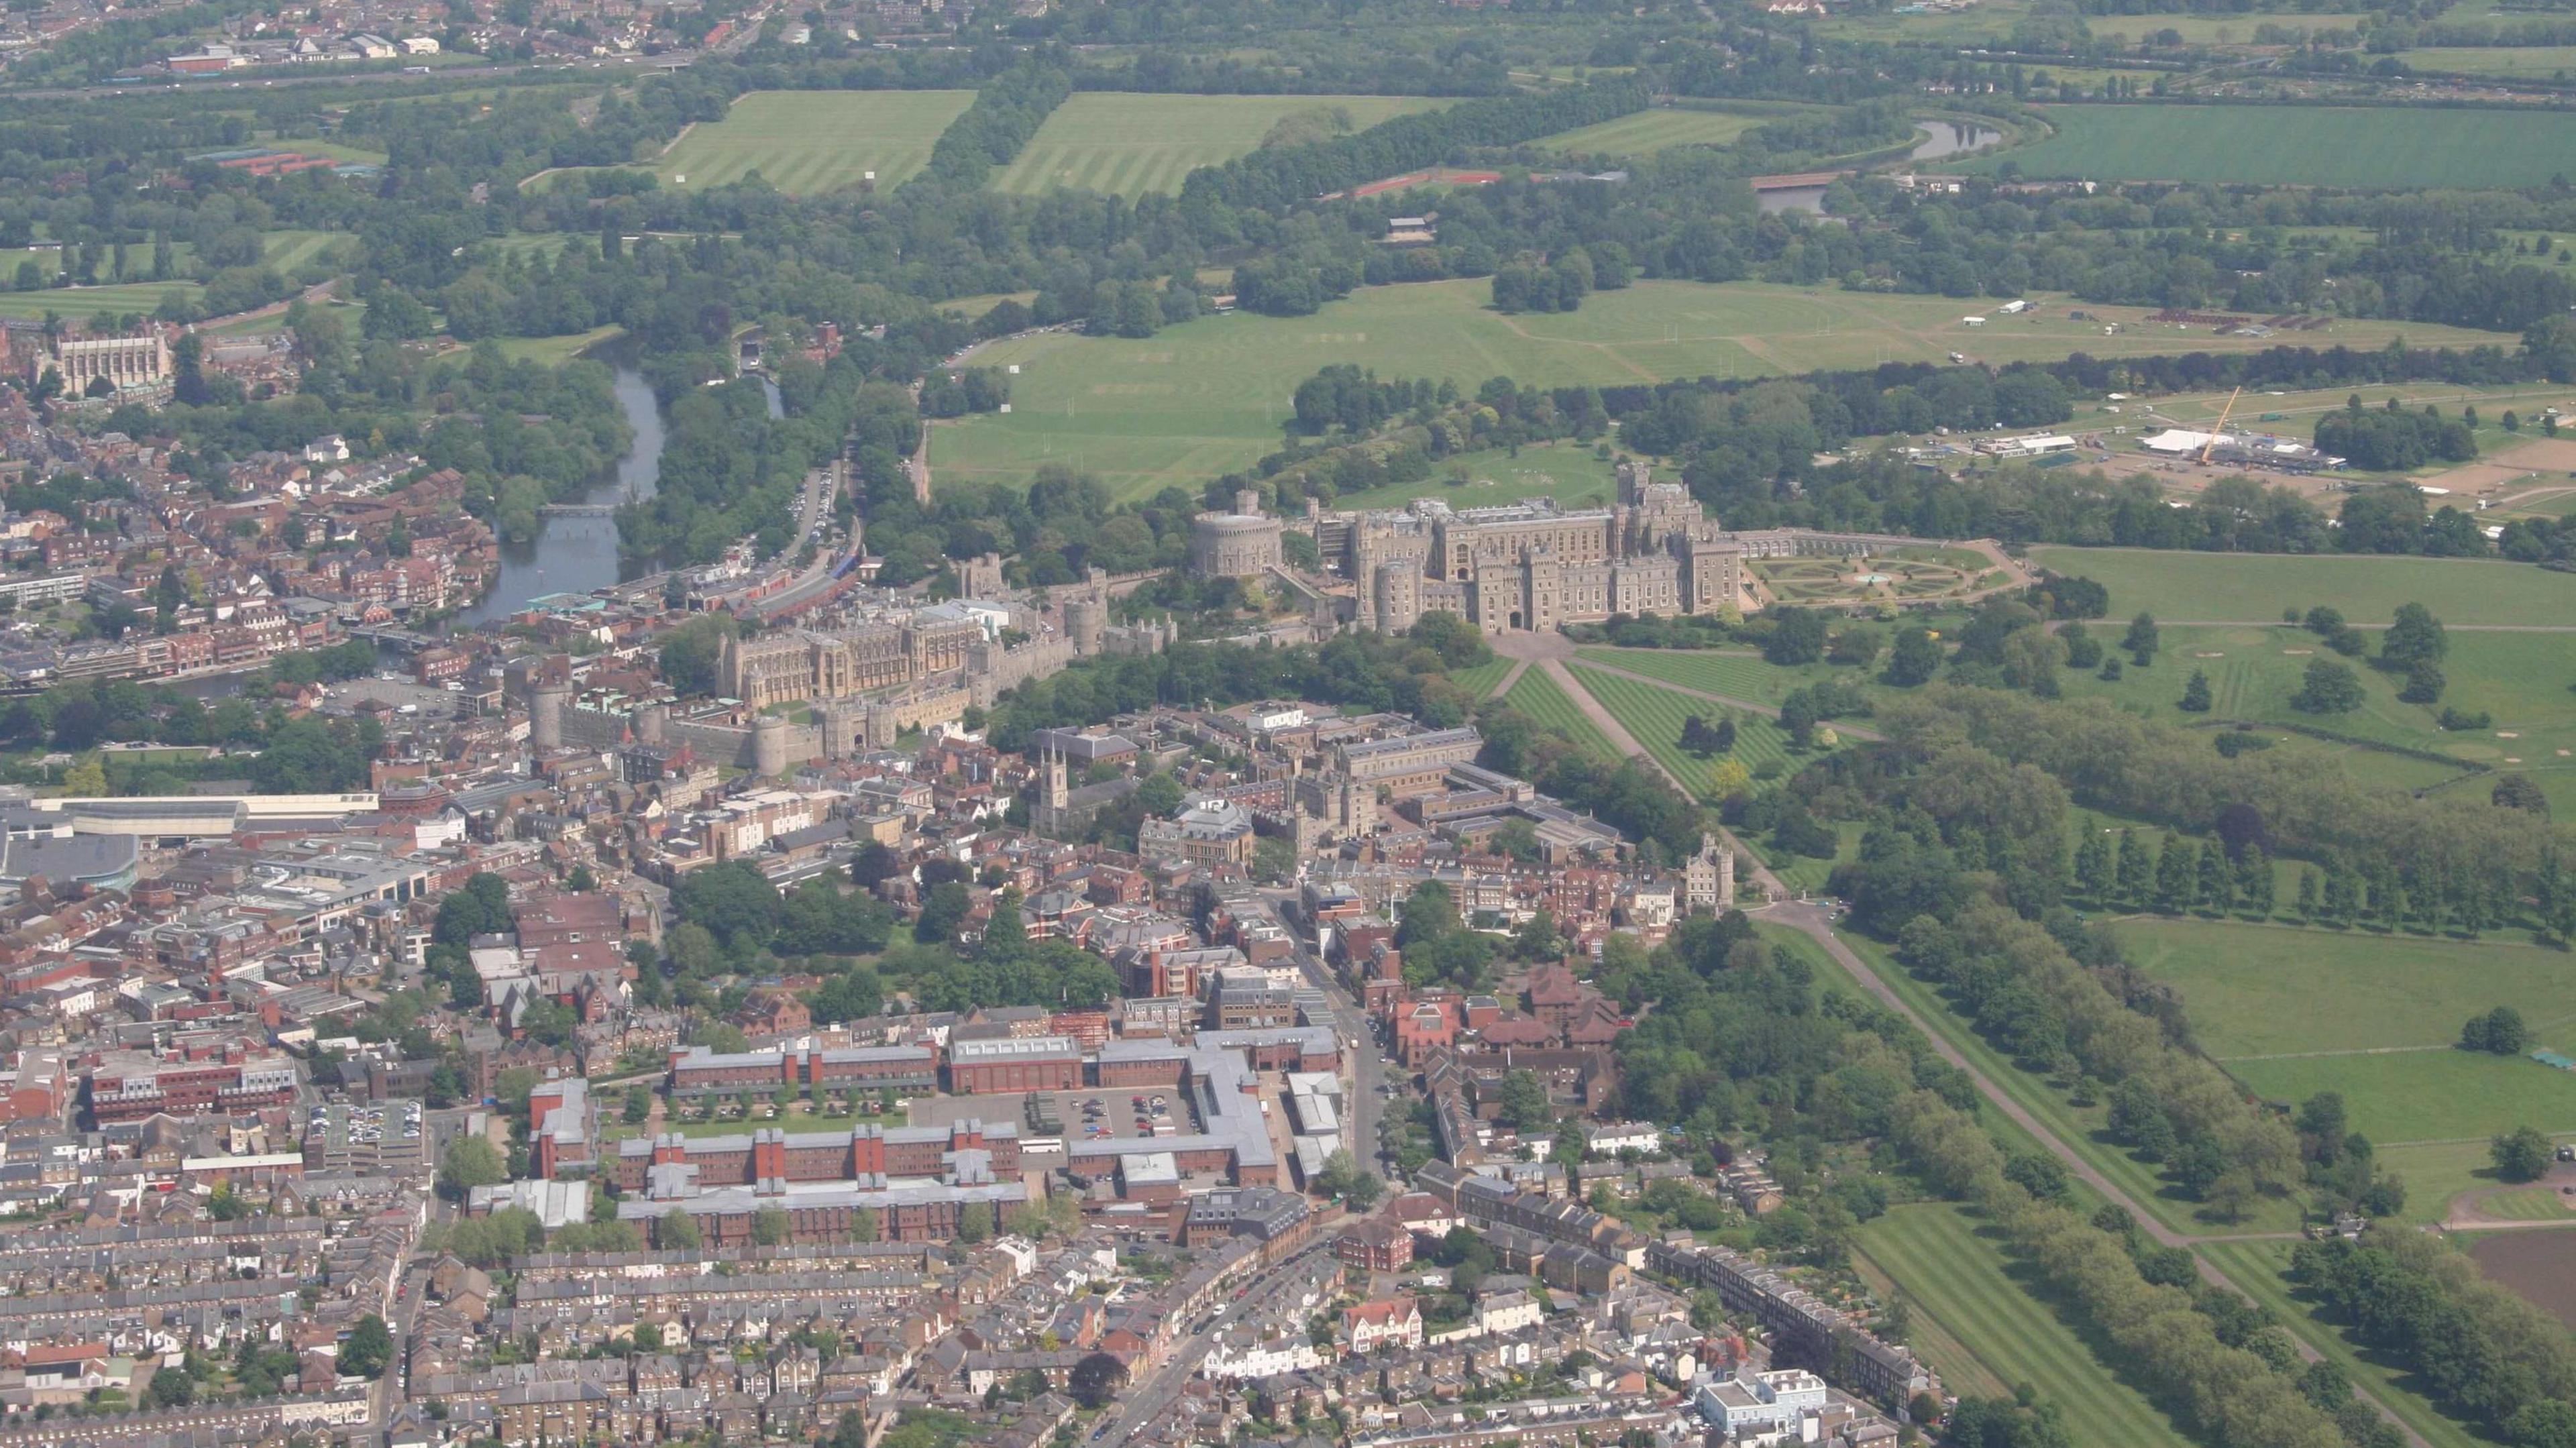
1532	566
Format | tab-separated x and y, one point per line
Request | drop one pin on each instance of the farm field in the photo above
1209	396
2257	1268
1538	696
1136	145
2381	149
807	142
2212	29
1744	676
1955	1273
1567	472
2268	990
2254	588
2510	62
1647	132
2536	1265
1655	717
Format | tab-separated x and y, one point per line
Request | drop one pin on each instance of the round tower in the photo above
546	705
769	745
1082	623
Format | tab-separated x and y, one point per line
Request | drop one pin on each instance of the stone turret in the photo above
769	745
546	706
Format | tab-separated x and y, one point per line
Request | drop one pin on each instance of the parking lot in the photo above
1093	1114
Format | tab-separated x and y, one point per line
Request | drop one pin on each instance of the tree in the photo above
172	1388
638	1107
2415	636
2177	876
942	912
771	1227
2093	866
2140	641
470	1162
2195	695
2517	791
1914	659
2424	683
1797	636
2136	871
2522	1154
369	1347
677	1231
1096	1379
2328	688
2500	1031
1523	1101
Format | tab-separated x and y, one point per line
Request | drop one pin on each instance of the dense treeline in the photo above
2174	1340
2479	1351
1007	110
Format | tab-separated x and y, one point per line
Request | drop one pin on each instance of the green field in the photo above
1565	471
807	142
80	302
2268	990
1655	717
555	351
1209	396
1748	677
1137	145
1538	696
2381	149
2530	1204
2237	29
2511	62
2254	588
1955	1273
2425	1095
1646	132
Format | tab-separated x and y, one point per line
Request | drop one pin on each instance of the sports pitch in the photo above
1209	396
808	142
1137	145
2374	149
1649	131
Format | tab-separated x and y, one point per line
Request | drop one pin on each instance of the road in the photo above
1368	1064
1145	1401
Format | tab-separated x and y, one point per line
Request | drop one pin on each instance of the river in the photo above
1940	138
576	555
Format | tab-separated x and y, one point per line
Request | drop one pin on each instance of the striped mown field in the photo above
1737	676
1136	145
1480	680
1645	132
1538	696
1655	716
808	142
1956	1275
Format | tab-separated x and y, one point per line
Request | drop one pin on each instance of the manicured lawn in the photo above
2256	1269
1136	145
808	142
80	302
2254	588
1480	680
1208	397
2531	1204
1654	715
1566	472
1734	675
1538	696
1954	1272
2262	990
2435	1172
555	351
1646	132
2425	1095
2387	148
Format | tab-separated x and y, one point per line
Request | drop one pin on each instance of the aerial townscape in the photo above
1259	724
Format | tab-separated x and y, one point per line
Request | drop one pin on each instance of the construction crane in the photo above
2215	432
